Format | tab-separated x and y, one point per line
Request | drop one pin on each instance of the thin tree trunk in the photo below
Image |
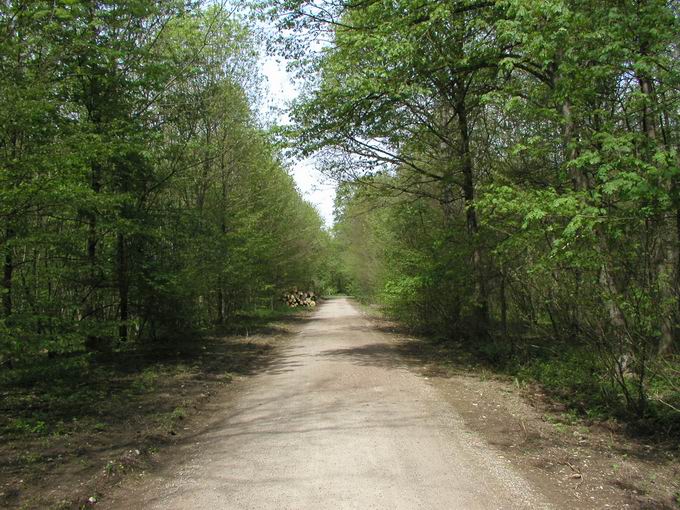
8	271
504	307
220	305
91	310
123	288
223	229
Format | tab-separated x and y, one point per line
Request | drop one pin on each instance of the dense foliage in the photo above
139	198
510	175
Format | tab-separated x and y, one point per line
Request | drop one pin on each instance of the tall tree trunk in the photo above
665	258
672	141
580	183
480	292
93	100
223	228
122	258
91	307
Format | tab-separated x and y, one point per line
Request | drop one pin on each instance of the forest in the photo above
507	199
140	196
144	206
509	180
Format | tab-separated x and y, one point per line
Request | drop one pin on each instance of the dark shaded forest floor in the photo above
594	463
71	427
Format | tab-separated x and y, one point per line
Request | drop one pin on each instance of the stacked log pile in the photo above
298	298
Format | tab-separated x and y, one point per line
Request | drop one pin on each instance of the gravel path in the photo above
336	422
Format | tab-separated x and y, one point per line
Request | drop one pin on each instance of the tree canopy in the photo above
510	172
140	196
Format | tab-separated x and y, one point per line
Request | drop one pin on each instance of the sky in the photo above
281	90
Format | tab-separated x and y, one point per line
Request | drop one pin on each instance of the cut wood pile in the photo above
297	298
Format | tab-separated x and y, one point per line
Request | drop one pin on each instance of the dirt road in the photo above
336	422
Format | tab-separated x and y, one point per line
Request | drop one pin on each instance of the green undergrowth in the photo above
577	376
260	320
572	374
48	396
69	417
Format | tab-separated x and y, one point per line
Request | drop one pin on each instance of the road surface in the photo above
337	422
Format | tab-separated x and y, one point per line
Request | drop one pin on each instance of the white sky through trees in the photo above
281	91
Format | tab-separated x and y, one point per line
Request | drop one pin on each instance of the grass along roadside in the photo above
72	425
